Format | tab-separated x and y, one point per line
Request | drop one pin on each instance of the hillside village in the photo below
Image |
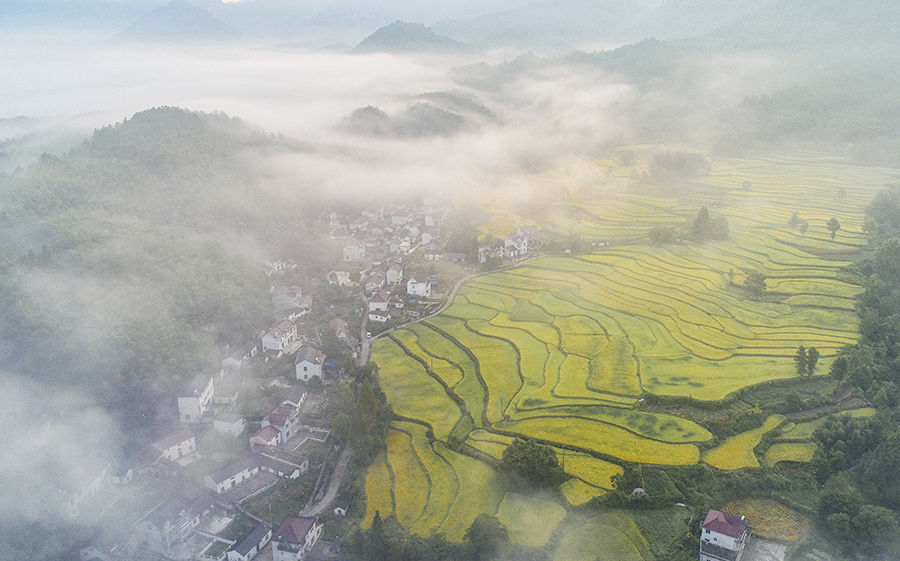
247	461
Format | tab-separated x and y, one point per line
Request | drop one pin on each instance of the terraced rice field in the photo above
771	519
561	349
795	441
737	451
611	536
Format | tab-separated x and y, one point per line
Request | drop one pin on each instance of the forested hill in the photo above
130	261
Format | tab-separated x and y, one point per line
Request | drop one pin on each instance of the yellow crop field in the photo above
577	492
568	348
737	451
611	536
604	439
379	491
771	519
790	451
410	481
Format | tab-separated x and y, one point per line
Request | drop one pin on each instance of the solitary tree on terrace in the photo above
833	226
755	283
801	359
812	357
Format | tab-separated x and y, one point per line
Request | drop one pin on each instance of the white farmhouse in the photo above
230	424
722	536
295	538
231	474
196	400
309	362
175	445
279	336
419	285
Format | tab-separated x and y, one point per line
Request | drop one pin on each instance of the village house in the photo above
266	436
176	445
196	400
295	396
309	362
723	536
399	219
433	252
242	355
419	285
280	462
279	336
378	306
250	545
405	246
354	252
228	388
230	424
168	524
515	245
231	474
374	281
295	538
394	275
285	418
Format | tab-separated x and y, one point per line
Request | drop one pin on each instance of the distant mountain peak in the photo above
177	21
402	36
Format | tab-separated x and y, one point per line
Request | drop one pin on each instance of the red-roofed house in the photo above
723	536
267	436
285	418
295	538
279	336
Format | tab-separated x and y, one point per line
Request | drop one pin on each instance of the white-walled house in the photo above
177	444
196	400
285	418
278	461
230	424
170	523
250	545
279	336
231	474
515	245
309	362
722	536
419	285
295	538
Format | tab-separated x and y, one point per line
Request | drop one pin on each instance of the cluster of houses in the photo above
513	247
380	231
384	290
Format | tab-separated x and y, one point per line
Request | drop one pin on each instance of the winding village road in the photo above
334	484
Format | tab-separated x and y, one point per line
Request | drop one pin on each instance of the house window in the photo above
707	530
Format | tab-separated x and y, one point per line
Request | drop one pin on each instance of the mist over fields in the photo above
145	178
